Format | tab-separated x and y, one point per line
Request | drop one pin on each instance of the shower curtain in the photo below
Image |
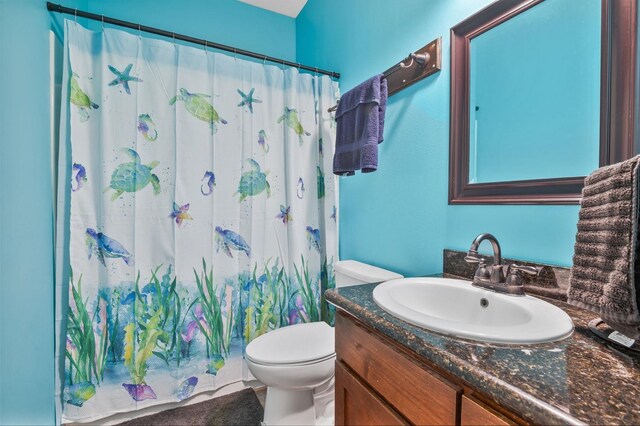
197	211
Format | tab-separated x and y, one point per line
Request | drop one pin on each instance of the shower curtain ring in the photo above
174	38
235	54
264	60
103	22
139	32
75	13
206	52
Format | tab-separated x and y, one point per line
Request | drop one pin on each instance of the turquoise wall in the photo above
398	217
26	219
26	244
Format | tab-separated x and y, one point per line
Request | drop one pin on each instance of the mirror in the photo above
535	90
536	98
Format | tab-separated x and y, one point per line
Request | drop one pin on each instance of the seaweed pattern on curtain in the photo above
203	215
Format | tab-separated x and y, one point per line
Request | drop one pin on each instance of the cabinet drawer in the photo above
474	414
356	404
421	395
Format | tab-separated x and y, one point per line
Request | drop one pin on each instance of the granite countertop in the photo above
577	380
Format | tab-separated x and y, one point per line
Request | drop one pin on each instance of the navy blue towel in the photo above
360	118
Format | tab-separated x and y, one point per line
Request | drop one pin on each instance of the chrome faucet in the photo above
500	278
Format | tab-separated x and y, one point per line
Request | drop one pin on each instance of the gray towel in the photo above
360	118
605	260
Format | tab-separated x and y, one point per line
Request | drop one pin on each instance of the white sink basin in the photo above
455	307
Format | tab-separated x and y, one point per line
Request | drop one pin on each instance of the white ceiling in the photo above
286	7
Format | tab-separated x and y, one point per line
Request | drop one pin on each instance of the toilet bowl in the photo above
297	362
291	362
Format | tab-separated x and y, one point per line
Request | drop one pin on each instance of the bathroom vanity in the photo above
391	372
379	381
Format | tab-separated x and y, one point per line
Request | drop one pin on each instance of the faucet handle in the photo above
514	279
530	270
482	272
473	259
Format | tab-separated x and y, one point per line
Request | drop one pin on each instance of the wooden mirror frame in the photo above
617	106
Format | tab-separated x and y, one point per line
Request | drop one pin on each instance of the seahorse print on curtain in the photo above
190	229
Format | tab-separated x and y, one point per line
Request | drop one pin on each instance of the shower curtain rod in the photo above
176	36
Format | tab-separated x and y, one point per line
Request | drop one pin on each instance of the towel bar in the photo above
423	62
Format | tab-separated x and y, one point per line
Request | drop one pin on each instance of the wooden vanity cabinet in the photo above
378	382
473	413
359	405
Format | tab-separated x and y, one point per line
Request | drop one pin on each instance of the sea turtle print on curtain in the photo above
190	234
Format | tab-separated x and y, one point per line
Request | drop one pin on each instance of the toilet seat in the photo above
300	344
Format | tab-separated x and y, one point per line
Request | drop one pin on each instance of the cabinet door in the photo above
420	395
474	414
356	404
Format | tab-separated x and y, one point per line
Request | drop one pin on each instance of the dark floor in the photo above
241	408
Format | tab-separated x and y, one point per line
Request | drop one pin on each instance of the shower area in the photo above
196	211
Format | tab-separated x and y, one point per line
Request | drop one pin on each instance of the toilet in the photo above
297	362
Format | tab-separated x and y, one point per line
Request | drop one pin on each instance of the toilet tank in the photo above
351	272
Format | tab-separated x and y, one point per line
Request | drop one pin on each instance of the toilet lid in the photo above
294	344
